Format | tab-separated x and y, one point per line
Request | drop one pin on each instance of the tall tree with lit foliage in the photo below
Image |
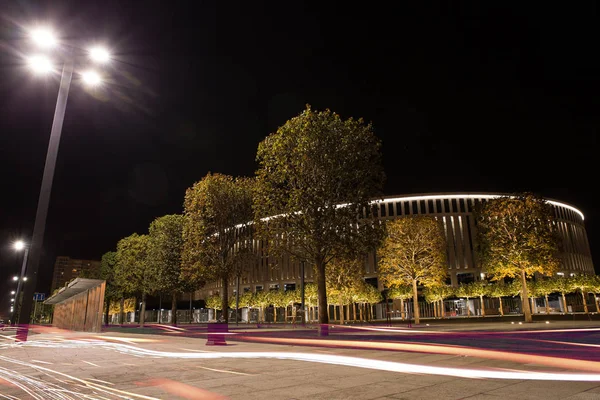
518	238
413	252
317	175
164	258
131	268
217	237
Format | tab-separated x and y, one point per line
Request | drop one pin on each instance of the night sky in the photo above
482	97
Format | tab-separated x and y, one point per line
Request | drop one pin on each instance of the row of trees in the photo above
517	238
146	264
307	168
541	288
356	300
311	200
361	297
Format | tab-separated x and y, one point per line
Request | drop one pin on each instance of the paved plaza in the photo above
373	362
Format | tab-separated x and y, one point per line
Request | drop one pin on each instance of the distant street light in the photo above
18	246
46	38
12	292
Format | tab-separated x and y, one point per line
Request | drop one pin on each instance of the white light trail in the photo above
357	362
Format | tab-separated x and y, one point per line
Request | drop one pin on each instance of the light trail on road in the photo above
390	366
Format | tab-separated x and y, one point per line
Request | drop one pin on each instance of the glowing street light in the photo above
99	54
91	78
12	292
12	300
44	37
15	278
40	64
19	245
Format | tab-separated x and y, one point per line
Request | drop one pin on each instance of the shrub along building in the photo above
456	212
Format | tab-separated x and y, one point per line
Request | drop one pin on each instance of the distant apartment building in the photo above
67	268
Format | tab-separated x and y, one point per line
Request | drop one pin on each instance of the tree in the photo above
215	303
131	268
563	286
499	290
316	178
263	300
311	298
341	276
401	293
466	291
543	288
278	300
595	289
367	294
247	300
164	258
292	297
518	238
583	284
413	252
437	295
217	239
480	289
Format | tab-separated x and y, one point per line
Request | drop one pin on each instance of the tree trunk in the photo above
106	321
355	309
322	289
501	307
174	309
596	303
416	302
564	299
585	307
532	305
122	310
225	299
360	310
274	314
341	312
442	311
547	304
524	297
143	310
482	305
285	315
402	314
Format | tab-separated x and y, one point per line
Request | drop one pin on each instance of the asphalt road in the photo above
558	361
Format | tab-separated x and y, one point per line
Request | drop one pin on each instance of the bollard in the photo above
216	334
323	330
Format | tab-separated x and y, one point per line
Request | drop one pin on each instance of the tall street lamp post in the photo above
45	38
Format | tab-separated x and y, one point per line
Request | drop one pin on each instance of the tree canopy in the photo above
518	238
132	273
316	177
413	252
165	242
217	239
